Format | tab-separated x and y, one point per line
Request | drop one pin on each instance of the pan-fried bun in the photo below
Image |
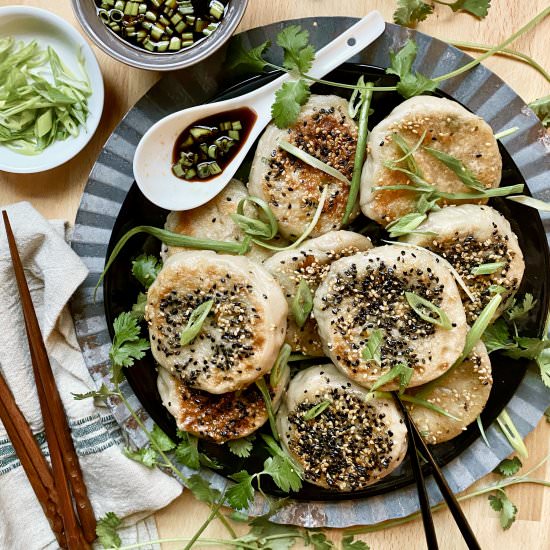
449	128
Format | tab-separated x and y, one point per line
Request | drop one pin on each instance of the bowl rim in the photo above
148	60
96	83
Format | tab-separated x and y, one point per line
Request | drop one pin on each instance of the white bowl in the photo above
26	23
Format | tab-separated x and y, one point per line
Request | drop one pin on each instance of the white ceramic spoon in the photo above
153	157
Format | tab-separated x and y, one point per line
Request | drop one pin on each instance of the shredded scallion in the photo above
316	410
195	322
302	303
175	239
41	100
312	161
511	432
488	268
420	305
253	226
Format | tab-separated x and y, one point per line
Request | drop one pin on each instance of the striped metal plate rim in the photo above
479	90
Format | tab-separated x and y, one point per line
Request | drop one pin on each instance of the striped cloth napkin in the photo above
115	483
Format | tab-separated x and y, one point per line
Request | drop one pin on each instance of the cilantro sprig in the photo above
411	12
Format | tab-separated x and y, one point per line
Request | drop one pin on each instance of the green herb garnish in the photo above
401	371
253	226
541	107
241	447
360	150
302	303
531	202
195	322
511	432
264	390
509	467
280	366
507	510
316	410
488	268
372	351
288	102
37	110
312	161
464	174
145	269
423	308
174	239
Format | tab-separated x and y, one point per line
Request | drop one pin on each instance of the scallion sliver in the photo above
195	322
175	239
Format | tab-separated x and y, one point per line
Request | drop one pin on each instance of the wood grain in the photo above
57	194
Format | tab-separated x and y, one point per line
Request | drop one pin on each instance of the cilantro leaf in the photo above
201	489
146	455
138	309
127	345
497	336
410	83
145	269
241	494
283	472
528	348
241	447
318	540
541	107
479	8
500	502
263	529
106	530
509	467
288	100
250	61
298	53
187	451
519	311
411	12
543	361
161	440
349	544
103	393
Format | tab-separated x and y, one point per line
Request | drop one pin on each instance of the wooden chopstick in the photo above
425	508
444	488
32	460
57	430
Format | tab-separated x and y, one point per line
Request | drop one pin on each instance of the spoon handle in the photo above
336	52
348	44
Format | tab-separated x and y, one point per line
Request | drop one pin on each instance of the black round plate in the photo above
121	290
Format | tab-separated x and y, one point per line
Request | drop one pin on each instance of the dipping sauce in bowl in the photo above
206	147
162	26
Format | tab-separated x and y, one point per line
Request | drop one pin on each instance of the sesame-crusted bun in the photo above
469	236
449	128
241	336
292	188
311	262
352	443
462	391
366	292
213	221
218	418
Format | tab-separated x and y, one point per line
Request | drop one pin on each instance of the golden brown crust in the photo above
239	339
462	392
366	292
217	418
311	262
449	128
293	188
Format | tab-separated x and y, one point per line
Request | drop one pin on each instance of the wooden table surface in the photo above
57	193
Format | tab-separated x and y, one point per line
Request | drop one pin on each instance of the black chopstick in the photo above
425	508
448	495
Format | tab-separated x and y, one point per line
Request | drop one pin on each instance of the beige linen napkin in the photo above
115	483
